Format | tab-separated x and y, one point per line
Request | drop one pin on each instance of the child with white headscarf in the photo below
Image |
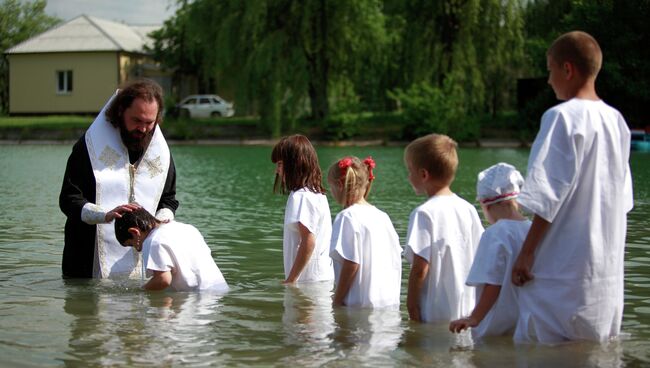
496	312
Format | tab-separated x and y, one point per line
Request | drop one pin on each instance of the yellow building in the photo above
76	66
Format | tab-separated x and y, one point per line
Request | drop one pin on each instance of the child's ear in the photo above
134	231
569	70
424	174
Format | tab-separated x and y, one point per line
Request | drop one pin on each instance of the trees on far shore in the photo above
443	65
290	58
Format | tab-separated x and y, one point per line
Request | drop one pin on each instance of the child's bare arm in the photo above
419	272
521	270
160	281
349	270
305	250
488	298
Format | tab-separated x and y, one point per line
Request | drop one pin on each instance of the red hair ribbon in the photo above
371	165
344	164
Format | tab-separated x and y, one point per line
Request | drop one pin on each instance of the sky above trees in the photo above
126	11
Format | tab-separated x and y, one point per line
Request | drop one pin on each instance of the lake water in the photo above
226	192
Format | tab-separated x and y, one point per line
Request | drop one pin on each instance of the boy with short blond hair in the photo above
443	234
435	153
579	189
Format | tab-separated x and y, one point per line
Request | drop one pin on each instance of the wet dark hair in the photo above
299	165
139	218
145	89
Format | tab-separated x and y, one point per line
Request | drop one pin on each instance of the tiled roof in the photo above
86	33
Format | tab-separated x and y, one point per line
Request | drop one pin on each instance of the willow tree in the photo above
176	50
439	44
500	49
472	45
281	53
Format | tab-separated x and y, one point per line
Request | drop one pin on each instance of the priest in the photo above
122	159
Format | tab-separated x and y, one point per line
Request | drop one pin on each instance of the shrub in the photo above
341	126
429	109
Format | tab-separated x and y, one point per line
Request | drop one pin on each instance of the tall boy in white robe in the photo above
578	187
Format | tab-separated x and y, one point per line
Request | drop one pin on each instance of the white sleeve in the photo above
345	242
304	209
92	214
552	168
419	238
490	261
158	258
477	229
164	214
628	196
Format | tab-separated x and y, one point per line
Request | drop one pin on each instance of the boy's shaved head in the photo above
580	49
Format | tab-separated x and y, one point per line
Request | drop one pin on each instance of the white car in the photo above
204	106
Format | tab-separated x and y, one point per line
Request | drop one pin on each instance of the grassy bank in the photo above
339	127
67	127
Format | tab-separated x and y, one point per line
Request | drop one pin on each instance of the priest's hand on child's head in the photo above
119	210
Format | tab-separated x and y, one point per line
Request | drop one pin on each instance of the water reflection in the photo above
308	322
307	316
364	336
119	324
432	343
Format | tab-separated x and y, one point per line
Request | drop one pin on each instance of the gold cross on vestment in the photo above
109	157
154	166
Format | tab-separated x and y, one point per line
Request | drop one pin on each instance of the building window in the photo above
64	81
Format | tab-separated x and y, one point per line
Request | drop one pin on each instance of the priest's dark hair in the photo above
299	165
139	218
145	89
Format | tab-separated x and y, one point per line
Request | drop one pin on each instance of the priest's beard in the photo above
136	141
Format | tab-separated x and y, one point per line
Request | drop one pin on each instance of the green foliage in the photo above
358	126
54	127
50	121
211	128
341	127
624	80
290	60
429	109
477	43
19	20
343	97
280	53
180	128
500	49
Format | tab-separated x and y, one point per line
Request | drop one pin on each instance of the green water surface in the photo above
226	192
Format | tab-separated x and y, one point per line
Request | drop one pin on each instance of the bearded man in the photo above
122	159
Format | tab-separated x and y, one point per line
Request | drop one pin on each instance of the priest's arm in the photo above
78	188
168	204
